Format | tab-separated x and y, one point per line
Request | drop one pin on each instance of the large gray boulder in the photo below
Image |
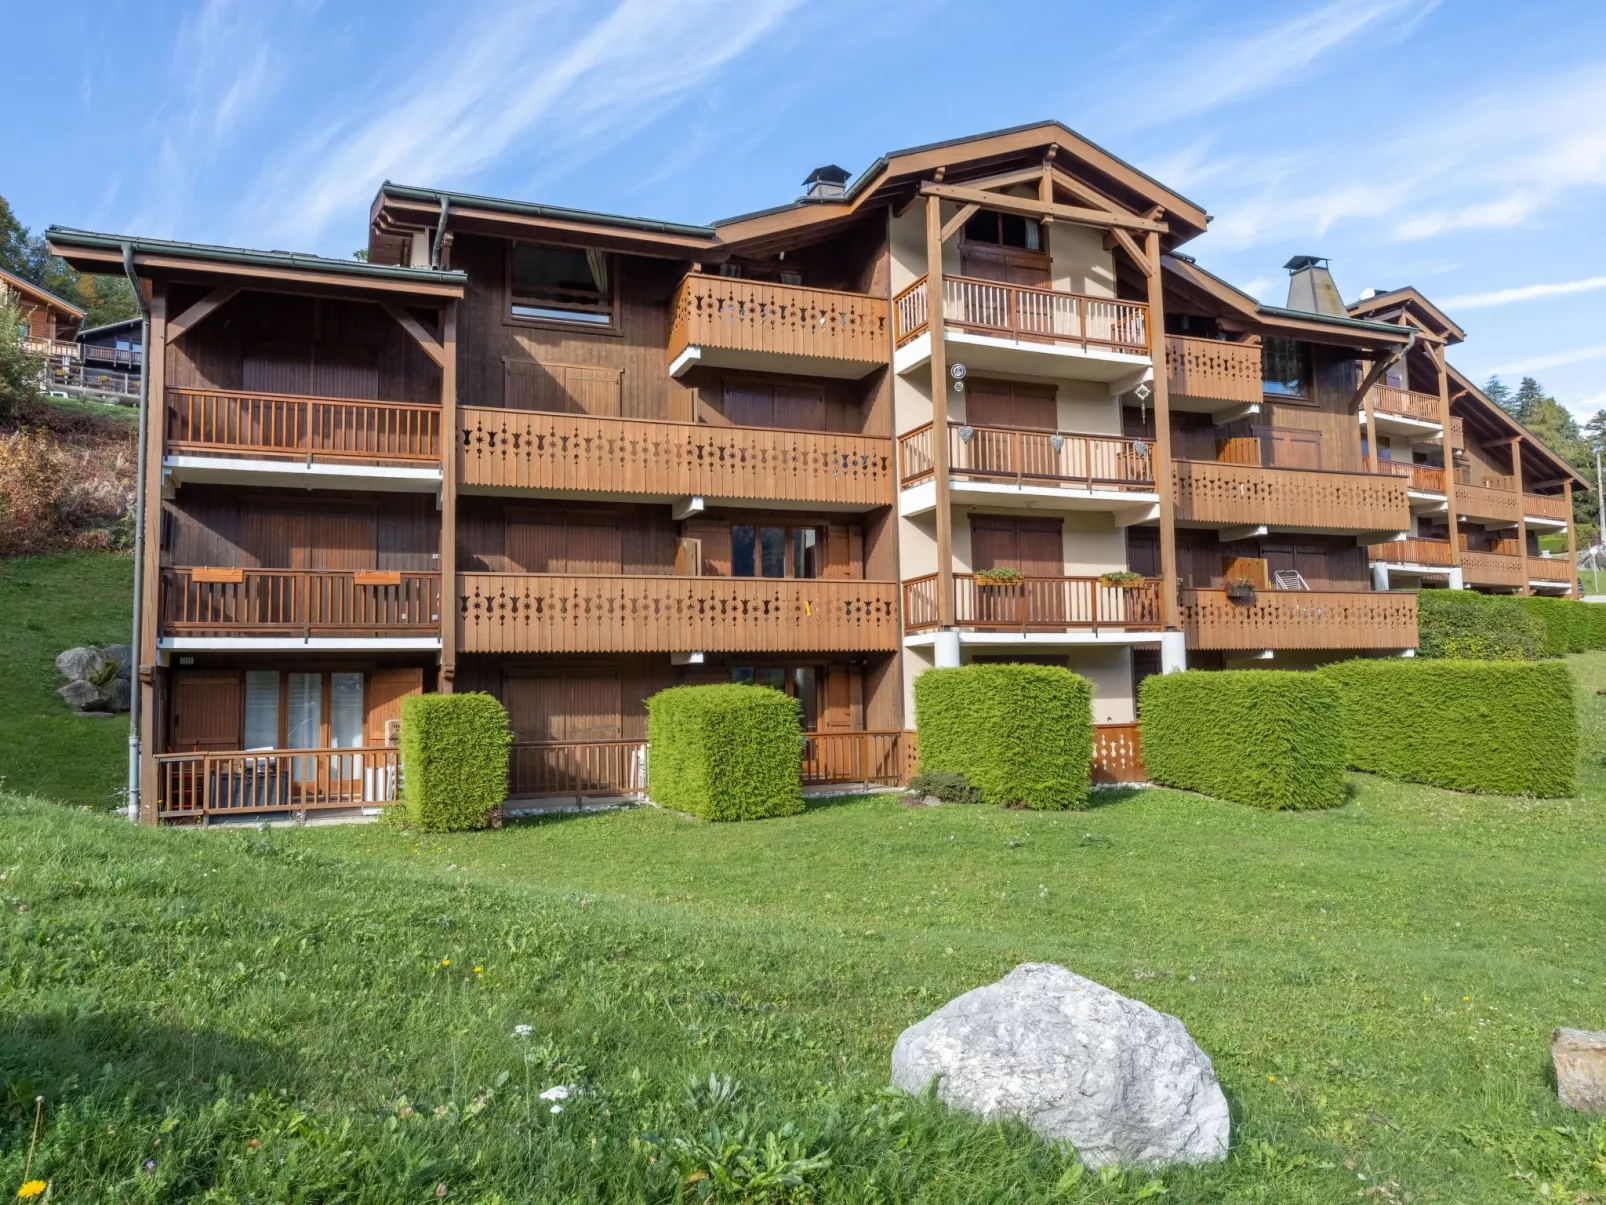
98	679
1077	1062
81	664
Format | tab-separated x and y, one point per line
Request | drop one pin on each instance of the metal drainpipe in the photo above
134	691
440	233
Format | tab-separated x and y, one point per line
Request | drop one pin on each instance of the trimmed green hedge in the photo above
1270	738
1022	734
1564	624
1492	726
725	752
1481	627
454	754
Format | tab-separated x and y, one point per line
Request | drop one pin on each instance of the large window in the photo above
562	284
1004	229
801	682
1284	368
774	551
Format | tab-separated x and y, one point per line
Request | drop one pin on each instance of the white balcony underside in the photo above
1398	424
1545	524
752	360
605	495
285	644
1127	508
1042	641
1122	371
296	474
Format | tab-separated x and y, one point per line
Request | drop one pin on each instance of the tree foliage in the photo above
19	368
102	298
1551	422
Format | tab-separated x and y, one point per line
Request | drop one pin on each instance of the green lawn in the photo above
48	604
328	1013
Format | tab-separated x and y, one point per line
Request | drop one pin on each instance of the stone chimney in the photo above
1311	287
827	181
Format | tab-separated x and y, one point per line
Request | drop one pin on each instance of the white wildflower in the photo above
557	1108
556	1092
522	1031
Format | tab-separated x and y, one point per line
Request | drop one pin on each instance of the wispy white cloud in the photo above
1585	406
1578	355
510	82
1479	301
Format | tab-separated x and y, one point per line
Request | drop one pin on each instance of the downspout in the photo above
440	234
134	691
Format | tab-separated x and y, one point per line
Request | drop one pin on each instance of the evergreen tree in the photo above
1499	393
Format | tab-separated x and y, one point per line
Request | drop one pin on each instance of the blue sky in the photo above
1457	145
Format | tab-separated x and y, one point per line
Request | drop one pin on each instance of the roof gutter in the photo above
137	672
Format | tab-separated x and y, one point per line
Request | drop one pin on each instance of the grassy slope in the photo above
48	604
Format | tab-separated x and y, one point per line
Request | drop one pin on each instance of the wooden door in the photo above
1288	448
715	538
767	404
534	543
1011	404
592	545
382	700
206	715
1007	265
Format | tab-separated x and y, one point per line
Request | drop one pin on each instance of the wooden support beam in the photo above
1436	354
1371	432
1128	244
422	337
959	219
1162	439
448	511
201	310
1572	541
939	414
1522	512
1038	209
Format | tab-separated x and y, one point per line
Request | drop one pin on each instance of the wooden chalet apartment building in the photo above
572	458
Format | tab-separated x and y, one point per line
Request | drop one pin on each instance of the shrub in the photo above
1018	733
454	753
725	752
1270	738
946	786
1562	624
1481	627
1499	727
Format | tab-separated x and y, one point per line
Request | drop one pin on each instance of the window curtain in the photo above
597	261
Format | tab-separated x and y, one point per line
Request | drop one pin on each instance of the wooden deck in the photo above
1213	492
310	602
532	450
553	613
1034	604
785	321
1405	403
989	307
1299	619
288	426
1213	368
1002	454
197	787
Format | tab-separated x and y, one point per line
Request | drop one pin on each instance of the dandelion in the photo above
446	962
522	1031
477	970
1271	1079
31	1189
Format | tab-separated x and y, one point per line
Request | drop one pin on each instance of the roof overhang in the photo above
40	296
1408	305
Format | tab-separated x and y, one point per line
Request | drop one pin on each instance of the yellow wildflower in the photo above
446	962
477	970
31	1189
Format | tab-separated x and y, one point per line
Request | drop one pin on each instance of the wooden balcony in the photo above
1497	569
290	427
51	349
564	453
1546	506
1213	368
1218	493
1555	570
1001	454
1027	314
117	357
299	602
567	613
1299	619
196	787
1405	403
1035	604
728	322
1424	478
1415	551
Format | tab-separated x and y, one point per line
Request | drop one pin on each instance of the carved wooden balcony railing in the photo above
1299	619
1424	478
1105	462
1492	569
569	613
786	320
1424	407
1213	368
1492	500
197	786
1117	754
273	602
288	426
1550	569
1034	604
1231	494
1418	550
989	307
526	449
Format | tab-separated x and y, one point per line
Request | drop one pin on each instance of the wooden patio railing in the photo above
990	307
247	602
1406	403
1546	506
752	315
1480	568
288	426
1299	619
1493	500
1419	550
1213	368
200	786
1220	492
1031	457
1425	478
1550	569
1034	604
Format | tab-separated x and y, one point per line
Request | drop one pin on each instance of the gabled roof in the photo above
1493	415
38	295
1407	301
107	327
1278	319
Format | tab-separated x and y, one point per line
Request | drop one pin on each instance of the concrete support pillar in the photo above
946	649
1173	652
1380	576
1457	582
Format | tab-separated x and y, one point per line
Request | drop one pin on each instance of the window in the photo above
262	709
801	682
774	551
1284	368
565	284
1004	229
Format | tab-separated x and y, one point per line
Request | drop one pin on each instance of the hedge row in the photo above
1466	625
725	752
1270	738
1506	728
1021	734
454	755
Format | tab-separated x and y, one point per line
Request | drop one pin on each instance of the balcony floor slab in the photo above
1071	638
753	360
1542	523
294	474
285	644
988	353
1128	507
1399	424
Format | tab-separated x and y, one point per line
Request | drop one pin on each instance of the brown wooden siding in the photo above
1297	619
1325	562
217	526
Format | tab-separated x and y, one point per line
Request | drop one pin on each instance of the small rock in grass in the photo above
1579	1057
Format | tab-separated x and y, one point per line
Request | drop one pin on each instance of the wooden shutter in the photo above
535	543
801	407
1011	404
576	704
343	537
561	388
593	545
1288	448
688	557
276	368
750	403
838	552
1010	265
386	688
838	716
1143	551
273	534
716	541
593	706
1034	546
993	543
345	372
207	713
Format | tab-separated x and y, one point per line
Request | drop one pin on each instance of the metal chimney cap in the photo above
829	174
1300	262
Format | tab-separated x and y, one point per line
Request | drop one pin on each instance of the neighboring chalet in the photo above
112	357
975	404
50	324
